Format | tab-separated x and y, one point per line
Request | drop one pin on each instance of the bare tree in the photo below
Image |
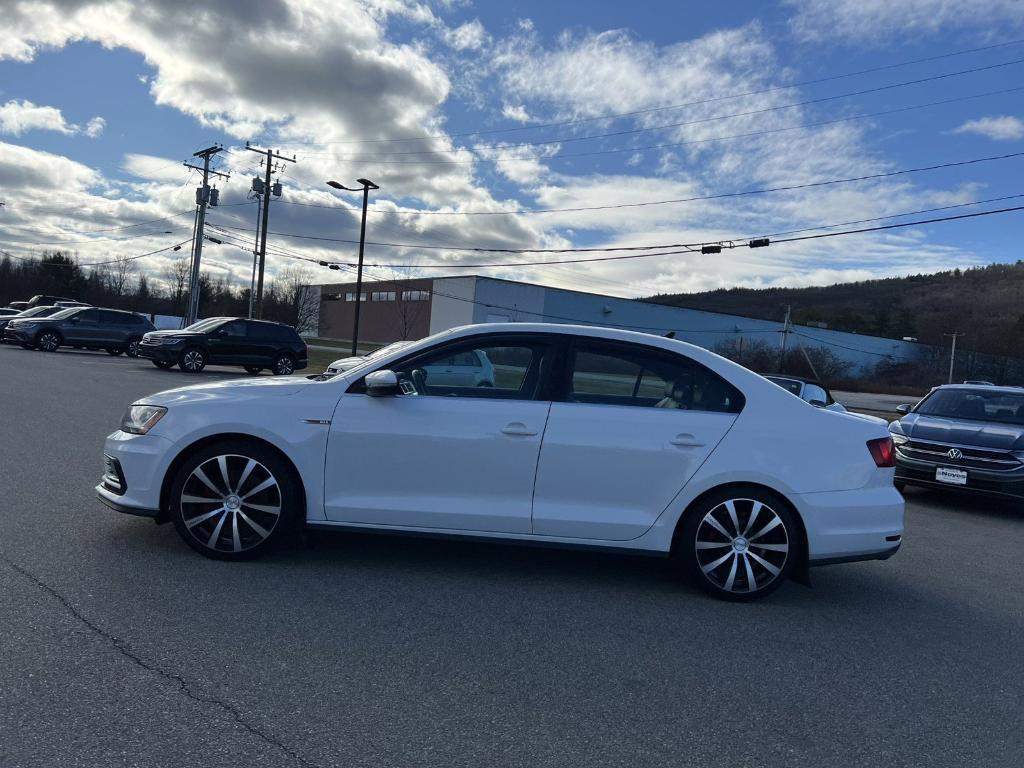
176	276
409	313
120	272
293	287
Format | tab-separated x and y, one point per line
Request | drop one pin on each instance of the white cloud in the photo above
469	36
876	21
515	112
1001	128
153	168
18	117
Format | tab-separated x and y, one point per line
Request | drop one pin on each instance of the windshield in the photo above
974	405
66	313
207	324
34	311
790	385
389	348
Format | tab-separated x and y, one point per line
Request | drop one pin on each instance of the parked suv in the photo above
110	329
44	300
252	344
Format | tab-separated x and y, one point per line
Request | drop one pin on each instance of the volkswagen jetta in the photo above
586	437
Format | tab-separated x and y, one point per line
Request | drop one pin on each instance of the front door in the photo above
442	455
227	343
634	427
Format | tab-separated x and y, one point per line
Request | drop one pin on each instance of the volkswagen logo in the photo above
955	454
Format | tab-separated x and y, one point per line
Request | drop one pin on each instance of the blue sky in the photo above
100	102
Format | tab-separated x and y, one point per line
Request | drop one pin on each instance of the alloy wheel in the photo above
193	361
230	503
133	348
284	366
48	342
742	545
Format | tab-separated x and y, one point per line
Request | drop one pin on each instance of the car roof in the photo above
1007	389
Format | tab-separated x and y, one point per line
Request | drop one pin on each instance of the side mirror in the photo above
904	408
818	403
382	383
219	333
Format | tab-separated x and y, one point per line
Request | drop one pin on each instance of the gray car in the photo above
114	330
964	437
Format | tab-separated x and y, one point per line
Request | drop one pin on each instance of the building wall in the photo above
452	303
379	321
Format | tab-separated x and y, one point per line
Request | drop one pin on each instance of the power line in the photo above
103	239
719	196
175	247
649	110
609	249
698	121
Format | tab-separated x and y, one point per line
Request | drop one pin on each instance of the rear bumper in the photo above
846	526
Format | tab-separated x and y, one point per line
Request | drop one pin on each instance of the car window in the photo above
86	315
235	329
618	375
814	392
111	317
507	370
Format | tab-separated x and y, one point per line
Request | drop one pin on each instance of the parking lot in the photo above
120	646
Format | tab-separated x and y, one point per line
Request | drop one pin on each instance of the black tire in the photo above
284	365
48	341
132	348
114	351
253	369
210	527
162	364
192	360
728	558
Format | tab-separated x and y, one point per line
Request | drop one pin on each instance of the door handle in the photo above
686	440
519	429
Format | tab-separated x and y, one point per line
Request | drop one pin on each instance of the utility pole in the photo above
785	335
271	167
203	198
255	260
952	353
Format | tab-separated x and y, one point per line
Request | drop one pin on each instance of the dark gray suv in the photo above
963	437
81	327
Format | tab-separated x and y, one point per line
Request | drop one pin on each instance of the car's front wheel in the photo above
234	500
133	347
192	360
48	341
739	544
284	365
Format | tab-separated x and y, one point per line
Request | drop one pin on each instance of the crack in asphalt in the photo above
125	650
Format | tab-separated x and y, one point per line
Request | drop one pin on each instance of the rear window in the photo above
974	405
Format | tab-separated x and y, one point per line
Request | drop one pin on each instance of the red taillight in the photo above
883	452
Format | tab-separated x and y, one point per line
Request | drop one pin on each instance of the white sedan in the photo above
589	437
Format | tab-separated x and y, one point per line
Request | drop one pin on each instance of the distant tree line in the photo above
120	285
984	303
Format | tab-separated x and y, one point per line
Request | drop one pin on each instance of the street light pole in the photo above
367	185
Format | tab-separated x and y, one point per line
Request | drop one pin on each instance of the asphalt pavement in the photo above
119	646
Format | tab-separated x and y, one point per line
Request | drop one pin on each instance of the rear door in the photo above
260	343
113	327
633	426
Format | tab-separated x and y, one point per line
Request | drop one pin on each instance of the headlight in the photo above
898	439
139	419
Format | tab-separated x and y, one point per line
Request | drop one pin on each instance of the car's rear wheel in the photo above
739	544
253	369
133	347
114	351
162	364
48	341
192	360
234	500
284	365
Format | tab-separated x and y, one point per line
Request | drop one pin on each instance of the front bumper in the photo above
17	336
161	353
845	526
1007	483
134	469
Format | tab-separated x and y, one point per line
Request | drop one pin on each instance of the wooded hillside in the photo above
985	303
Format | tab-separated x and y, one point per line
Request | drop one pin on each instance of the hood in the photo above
177	333
980	434
234	389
